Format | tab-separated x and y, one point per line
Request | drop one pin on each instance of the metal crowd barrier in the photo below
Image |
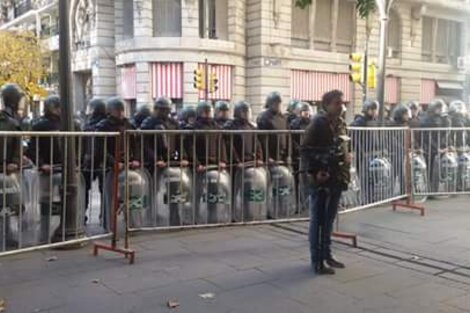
440	162
379	167
260	181
34	210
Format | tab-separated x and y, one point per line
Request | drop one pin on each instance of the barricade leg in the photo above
128	253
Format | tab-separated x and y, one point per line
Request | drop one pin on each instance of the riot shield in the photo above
463	182
173	195
380	180
419	179
213	196
352	197
282	202
444	178
250	194
51	203
133	192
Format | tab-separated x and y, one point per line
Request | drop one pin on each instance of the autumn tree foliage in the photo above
21	62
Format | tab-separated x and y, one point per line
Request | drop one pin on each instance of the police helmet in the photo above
222	106
242	110
457	107
437	104
370	105
51	103
115	104
187	113
303	107
97	106
203	107
292	105
162	103
399	112
143	110
272	99
11	95
413	105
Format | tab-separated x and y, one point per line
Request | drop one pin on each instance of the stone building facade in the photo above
142	49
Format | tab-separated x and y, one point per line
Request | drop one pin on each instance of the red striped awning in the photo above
224	77
392	90
428	91
311	85
128	82
167	80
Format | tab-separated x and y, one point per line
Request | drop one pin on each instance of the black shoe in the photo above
332	262
323	269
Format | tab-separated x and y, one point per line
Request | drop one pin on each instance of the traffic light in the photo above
356	68
372	75
199	83
213	83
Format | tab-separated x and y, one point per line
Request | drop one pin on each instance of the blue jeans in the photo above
323	209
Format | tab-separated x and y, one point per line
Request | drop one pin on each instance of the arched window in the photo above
167	18
394	38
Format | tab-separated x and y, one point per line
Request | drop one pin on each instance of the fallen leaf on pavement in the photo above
172	304
52	259
208	295
95	281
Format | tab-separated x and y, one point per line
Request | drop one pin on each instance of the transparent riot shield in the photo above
213	196
352	197
380	180
250	194
463	181
419	176
282	202
133	190
10	194
51	203
173	195
445	173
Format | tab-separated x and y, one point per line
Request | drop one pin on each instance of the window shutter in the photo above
167	18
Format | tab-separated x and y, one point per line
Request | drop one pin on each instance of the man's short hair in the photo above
330	96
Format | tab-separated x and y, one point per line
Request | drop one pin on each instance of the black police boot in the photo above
332	262
322	269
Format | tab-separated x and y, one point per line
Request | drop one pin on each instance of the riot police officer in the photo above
434	142
401	117
327	159
164	148
187	117
368	116
139	117
96	110
275	145
222	113
245	147
47	152
458	114
291	113
209	148
116	122
304	114
11	96
415	113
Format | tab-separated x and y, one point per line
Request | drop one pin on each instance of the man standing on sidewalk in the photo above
326	154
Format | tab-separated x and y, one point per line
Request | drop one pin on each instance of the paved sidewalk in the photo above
237	270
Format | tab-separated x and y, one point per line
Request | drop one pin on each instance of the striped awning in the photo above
428	91
224	77
311	85
392	90
128	82
167	80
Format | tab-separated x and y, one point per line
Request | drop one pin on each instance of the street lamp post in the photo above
384	11
70	226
